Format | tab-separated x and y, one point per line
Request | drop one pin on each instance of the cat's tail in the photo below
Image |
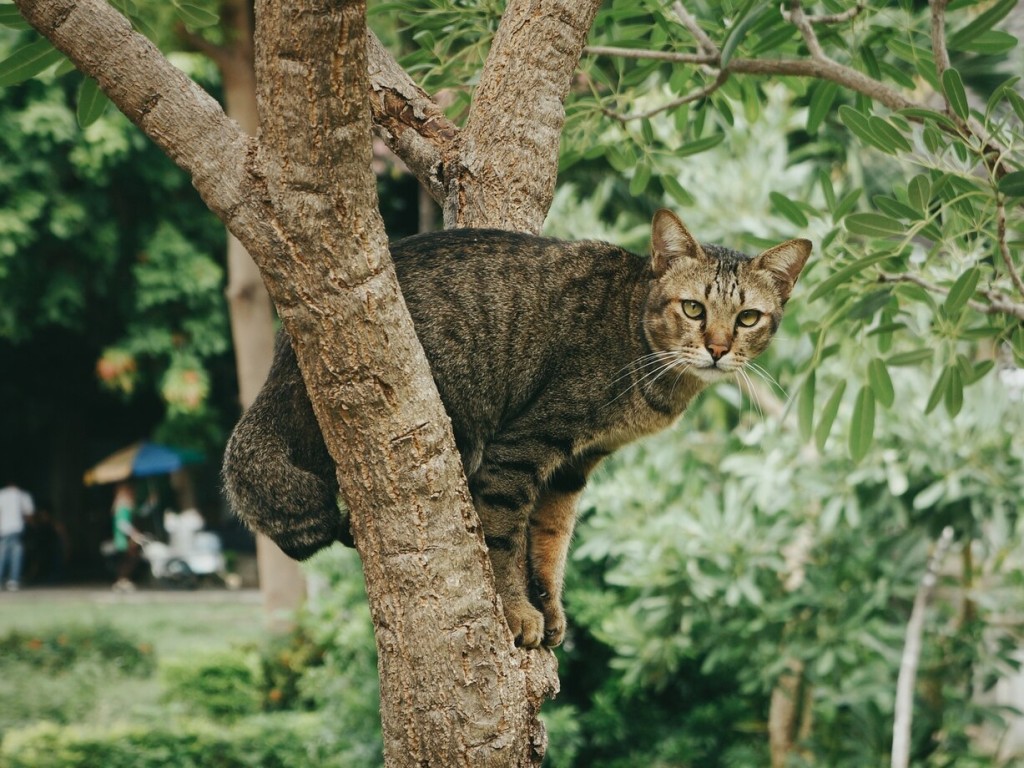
277	475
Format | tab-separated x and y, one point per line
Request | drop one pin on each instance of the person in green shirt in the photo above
125	536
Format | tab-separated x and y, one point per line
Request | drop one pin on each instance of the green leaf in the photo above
888	134
962	290
881	382
954	391
956	96
823	96
195	16
937	391
980	24
641	176
675	189
859	124
788	208
748	16
978	371
840	276
911	357
699	145
828	415
862	426
1012	184
995	42
827	189
28	61
846	204
894	208
805	407
874	225
919	192
92	102
11	18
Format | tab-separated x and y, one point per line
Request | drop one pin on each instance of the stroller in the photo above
190	555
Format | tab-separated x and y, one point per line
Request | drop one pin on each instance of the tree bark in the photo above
507	162
303	202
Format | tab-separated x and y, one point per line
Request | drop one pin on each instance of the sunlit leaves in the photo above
28	61
956	96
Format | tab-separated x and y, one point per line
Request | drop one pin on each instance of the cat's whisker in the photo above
642	362
755	399
679	377
765	374
658	364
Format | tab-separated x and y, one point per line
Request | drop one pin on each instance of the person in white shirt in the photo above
15	506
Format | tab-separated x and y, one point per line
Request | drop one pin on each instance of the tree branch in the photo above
508	156
412	125
707	45
695	95
821	69
904	706
1004	249
998	303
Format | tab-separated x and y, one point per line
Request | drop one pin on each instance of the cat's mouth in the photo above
714	371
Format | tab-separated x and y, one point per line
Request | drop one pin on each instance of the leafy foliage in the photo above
101	236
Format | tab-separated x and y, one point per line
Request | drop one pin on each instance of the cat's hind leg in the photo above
277	474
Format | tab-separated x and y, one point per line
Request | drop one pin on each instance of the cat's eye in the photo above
748	317
693	309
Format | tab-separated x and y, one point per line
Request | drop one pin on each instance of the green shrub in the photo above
283	664
224	686
278	741
58	649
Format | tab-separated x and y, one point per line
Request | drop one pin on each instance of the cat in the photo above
548	355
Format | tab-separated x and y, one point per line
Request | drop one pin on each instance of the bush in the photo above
280	741
58	649
224	686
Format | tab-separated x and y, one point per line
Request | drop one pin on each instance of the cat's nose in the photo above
717	350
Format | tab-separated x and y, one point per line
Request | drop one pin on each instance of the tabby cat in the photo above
548	356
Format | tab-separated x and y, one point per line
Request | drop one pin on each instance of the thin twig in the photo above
798	19
904	707
939	50
836	18
695	95
1004	249
998	303
640	53
706	43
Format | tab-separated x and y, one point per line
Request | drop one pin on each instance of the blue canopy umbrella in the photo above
141	460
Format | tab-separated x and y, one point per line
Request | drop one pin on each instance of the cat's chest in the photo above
634	422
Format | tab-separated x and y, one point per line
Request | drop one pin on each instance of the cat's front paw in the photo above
554	625
525	621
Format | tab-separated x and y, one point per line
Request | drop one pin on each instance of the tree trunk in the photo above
282	582
302	200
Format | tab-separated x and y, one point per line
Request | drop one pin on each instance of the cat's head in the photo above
711	309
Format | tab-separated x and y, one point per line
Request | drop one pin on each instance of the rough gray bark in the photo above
302	201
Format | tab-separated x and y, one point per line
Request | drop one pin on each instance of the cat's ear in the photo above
783	263
671	240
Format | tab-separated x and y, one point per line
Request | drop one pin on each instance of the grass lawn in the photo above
175	623
178	626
